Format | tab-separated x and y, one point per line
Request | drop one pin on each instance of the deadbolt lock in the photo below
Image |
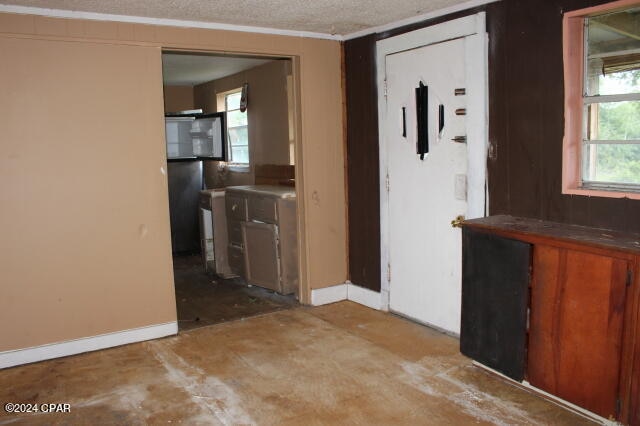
457	222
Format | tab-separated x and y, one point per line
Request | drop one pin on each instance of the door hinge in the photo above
618	408
386	182
388	272
629	277
385	88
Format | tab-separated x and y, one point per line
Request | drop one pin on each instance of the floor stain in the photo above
339	364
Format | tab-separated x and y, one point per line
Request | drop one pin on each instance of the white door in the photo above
424	196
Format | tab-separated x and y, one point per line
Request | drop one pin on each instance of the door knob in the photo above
457	222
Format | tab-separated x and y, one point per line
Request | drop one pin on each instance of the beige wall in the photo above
85	239
85	246
178	98
268	115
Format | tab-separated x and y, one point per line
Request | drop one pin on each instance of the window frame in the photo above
574	36
232	162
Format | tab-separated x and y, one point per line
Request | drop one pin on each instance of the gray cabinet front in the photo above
261	221
262	263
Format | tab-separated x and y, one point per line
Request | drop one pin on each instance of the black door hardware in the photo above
422	112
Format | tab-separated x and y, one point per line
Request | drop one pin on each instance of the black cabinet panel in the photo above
495	292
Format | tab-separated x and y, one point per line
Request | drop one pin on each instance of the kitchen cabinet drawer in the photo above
236	259
236	208
234	229
263	209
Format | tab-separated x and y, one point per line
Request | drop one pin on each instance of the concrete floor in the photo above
203	298
329	365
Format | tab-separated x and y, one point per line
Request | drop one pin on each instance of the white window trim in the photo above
221	102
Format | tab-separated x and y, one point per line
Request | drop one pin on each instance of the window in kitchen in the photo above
237	129
602	101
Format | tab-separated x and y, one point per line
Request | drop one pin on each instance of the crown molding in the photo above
93	16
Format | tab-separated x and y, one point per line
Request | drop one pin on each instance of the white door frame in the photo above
473	28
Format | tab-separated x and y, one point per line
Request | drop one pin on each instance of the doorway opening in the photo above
230	133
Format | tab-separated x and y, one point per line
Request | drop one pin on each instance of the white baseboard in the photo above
364	296
324	296
86	344
347	291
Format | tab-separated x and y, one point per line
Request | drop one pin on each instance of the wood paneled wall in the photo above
526	125
363	173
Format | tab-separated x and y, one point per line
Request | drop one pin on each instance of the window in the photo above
237	129
602	101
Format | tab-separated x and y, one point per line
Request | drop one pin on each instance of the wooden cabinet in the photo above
261	222
582	341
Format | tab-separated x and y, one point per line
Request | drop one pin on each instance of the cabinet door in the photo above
236	213
495	281
236	207
262	262
575	335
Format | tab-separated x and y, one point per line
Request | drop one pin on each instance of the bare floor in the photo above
330	365
203	298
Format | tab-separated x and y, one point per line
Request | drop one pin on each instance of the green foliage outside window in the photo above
619	163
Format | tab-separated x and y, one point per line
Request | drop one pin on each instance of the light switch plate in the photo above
460	190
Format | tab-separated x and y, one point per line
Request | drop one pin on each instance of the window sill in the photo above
601	193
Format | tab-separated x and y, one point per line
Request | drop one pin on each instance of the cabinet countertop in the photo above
268	190
524	228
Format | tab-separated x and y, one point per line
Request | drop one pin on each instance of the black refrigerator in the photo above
191	140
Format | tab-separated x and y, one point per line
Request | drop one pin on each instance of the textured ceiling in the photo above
322	16
189	70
